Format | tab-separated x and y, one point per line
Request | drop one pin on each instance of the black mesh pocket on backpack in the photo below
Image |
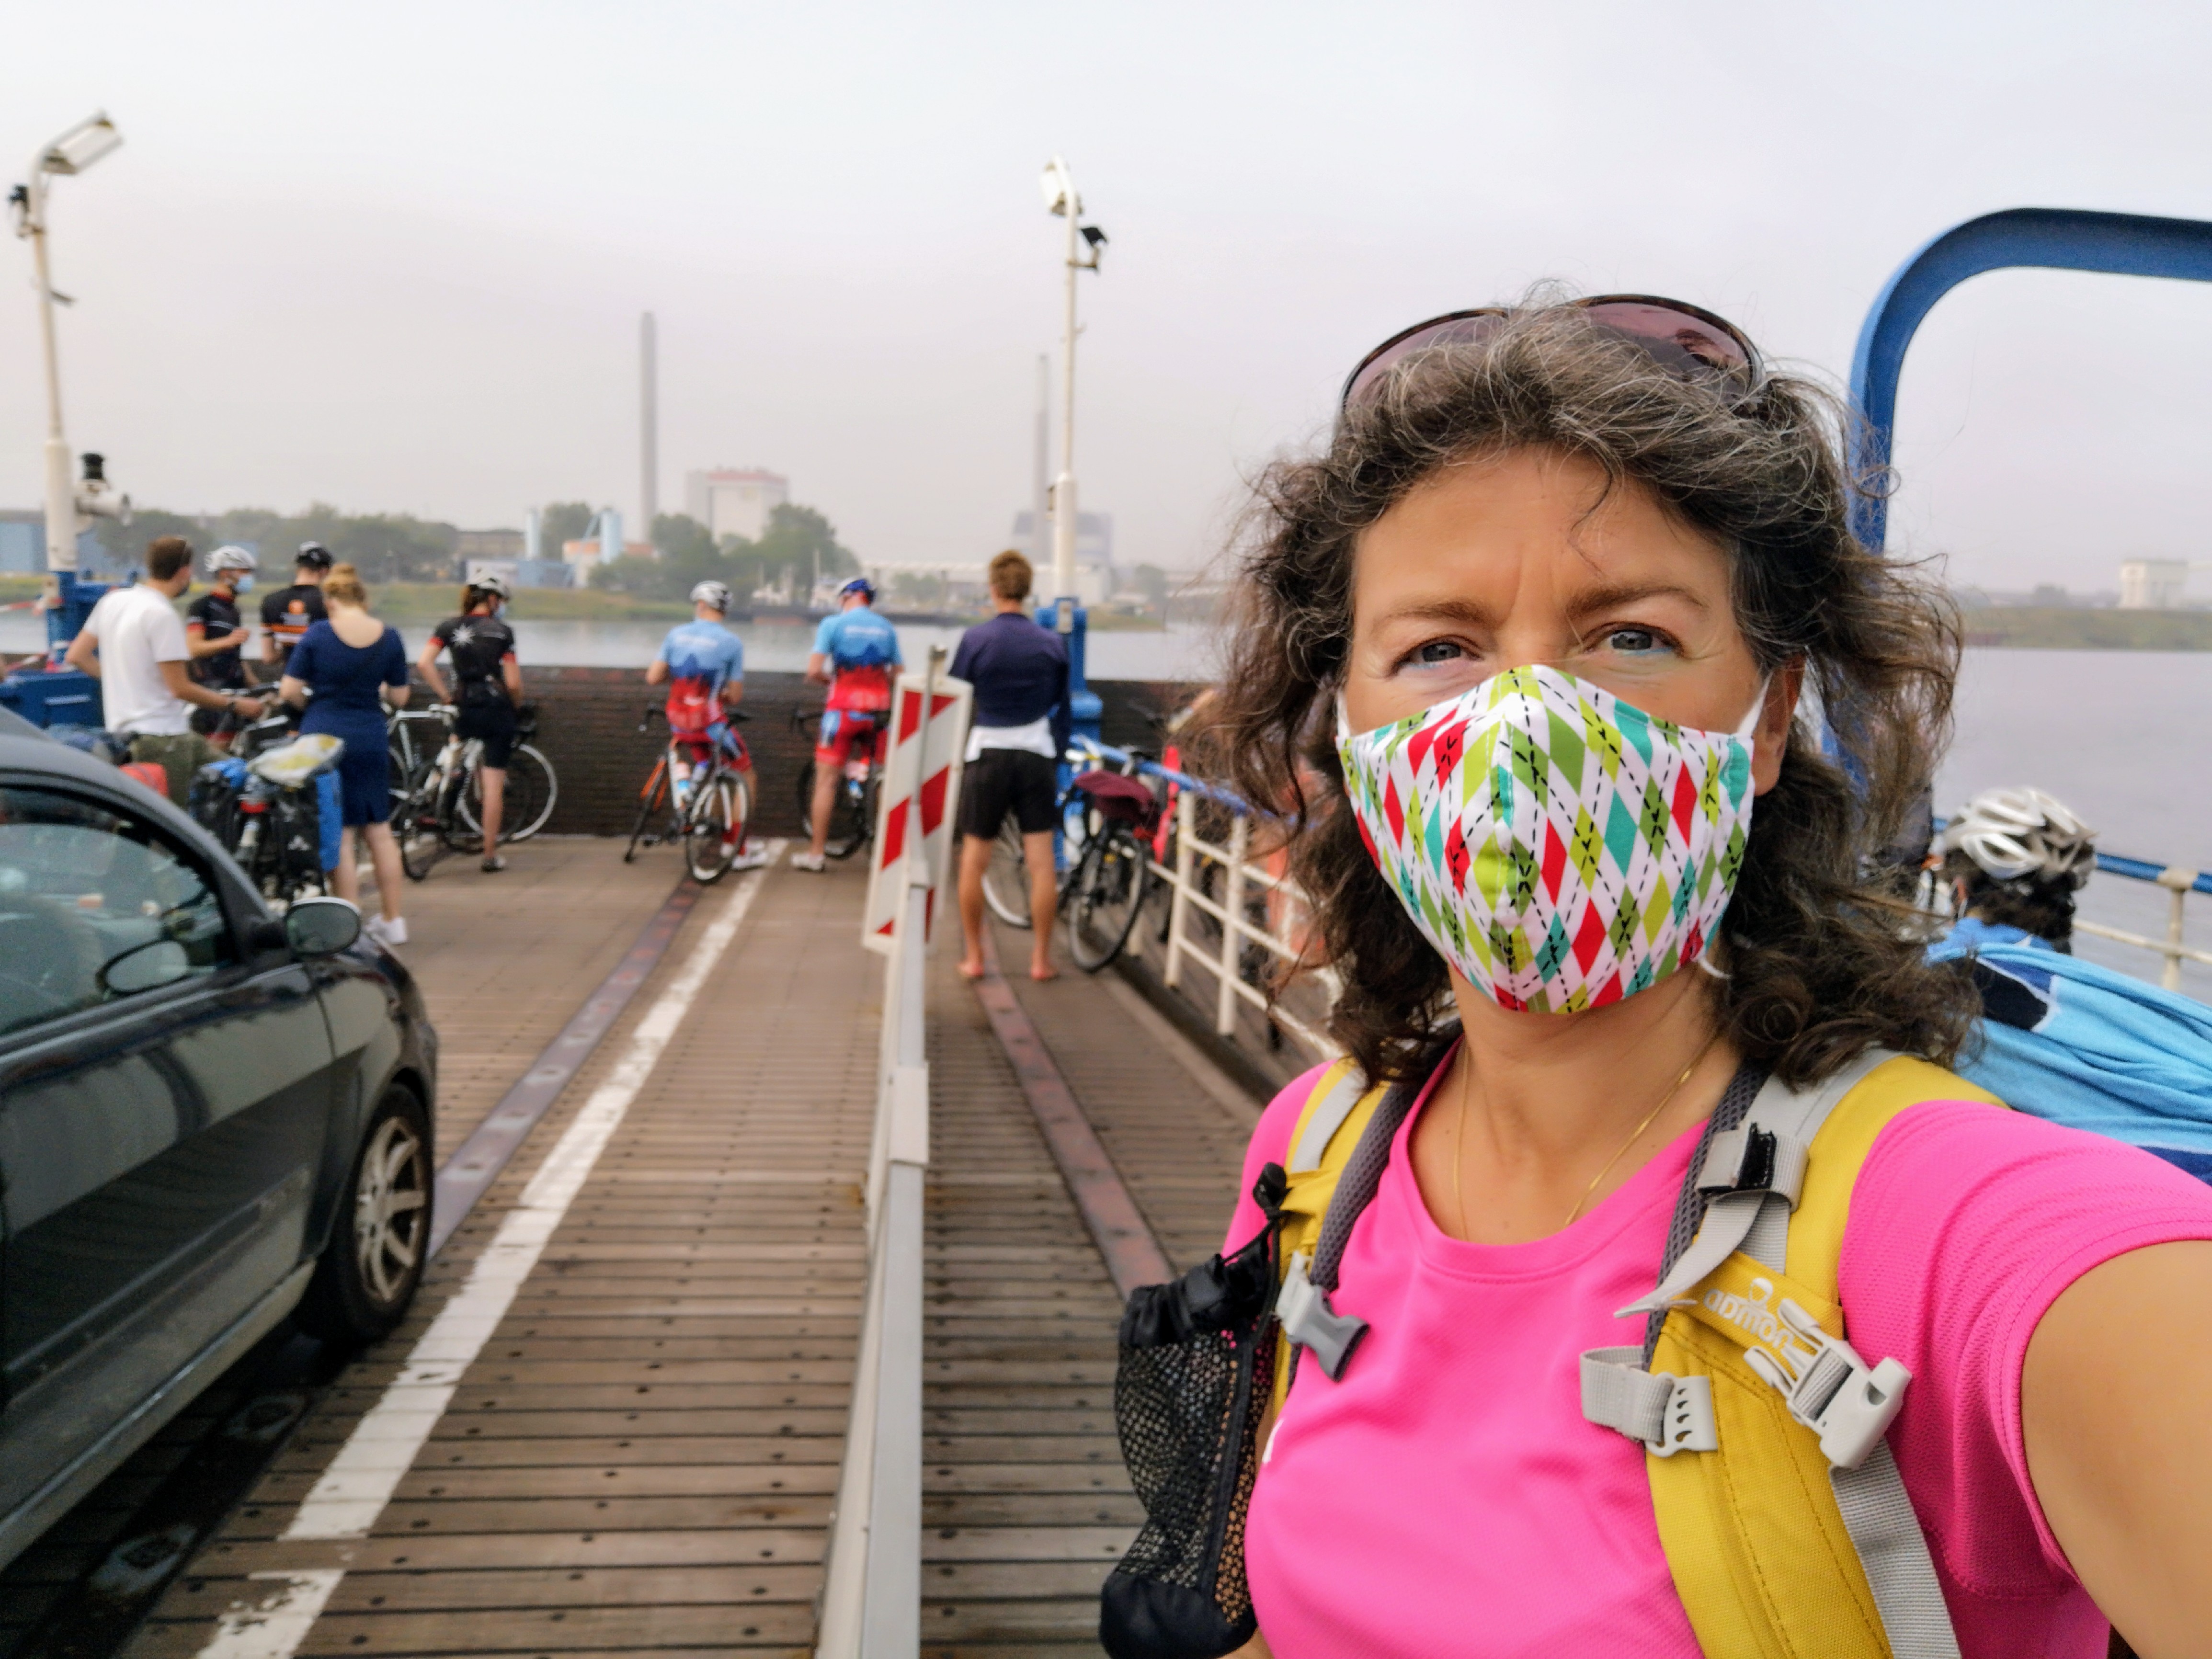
1197	1366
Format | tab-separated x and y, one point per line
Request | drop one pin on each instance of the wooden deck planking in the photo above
643	1456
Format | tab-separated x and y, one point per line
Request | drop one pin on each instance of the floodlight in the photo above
1059	188
81	146
1094	236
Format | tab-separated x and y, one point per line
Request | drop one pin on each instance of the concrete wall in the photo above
587	727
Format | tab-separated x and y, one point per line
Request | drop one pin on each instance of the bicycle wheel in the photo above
531	790
422	839
1107	894
1006	878
852	818
652	802
715	827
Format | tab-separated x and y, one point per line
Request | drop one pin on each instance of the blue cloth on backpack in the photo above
330	816
230	769
2068	1041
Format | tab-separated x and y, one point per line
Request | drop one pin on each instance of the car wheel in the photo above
371	1267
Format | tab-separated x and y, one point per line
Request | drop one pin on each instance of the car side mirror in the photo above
321	926
264	934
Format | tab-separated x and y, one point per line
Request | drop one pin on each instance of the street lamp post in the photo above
68	504
1084	245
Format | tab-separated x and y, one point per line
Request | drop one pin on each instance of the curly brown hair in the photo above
1822	964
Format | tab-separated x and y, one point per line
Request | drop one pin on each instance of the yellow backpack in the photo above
1786	1527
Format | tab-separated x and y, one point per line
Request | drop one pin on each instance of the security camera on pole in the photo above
68	504
1065	615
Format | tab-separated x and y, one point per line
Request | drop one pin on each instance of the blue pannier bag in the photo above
2075	1043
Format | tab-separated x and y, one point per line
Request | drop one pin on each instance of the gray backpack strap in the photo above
1742	1186
1325	1120
1302	1304
1749	1177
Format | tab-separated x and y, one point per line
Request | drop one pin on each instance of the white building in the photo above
2152	584
1094	580
734	501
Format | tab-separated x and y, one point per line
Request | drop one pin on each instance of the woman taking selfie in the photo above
1558	617
343	671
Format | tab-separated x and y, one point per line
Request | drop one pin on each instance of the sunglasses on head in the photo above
1680	338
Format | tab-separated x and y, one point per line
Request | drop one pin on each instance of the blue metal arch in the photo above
2056	238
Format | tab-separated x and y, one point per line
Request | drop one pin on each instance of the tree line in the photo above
385	547
397	547
799	544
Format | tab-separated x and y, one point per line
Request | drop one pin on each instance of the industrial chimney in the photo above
649	426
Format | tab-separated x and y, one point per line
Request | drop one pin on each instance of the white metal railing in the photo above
2178	882
871	1592
1240	873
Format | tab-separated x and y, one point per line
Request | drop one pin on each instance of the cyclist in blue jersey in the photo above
703	664
855	653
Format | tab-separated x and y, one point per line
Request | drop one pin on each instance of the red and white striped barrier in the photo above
921	778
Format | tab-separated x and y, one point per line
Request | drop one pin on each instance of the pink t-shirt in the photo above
1447	1497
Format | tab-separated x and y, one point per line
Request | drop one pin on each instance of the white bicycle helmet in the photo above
491	583
2013	833
715	596
231	557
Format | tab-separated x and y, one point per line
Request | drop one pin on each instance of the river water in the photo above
2118	735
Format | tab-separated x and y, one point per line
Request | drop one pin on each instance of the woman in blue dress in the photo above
343	670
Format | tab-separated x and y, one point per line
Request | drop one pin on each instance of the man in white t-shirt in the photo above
134	645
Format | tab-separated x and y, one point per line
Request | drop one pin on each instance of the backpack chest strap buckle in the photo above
1830	1388
1310	1322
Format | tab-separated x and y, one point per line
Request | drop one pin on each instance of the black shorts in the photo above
1002	780
493	721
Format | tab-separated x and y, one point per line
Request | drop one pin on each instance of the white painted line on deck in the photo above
273	1627
360	1482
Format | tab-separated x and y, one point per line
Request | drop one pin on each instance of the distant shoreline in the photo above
420	602
2029	628
2055	628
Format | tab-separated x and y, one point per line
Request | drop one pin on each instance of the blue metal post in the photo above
1083	706
2056	239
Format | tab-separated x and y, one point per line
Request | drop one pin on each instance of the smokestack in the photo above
1041	474
533	536
648	425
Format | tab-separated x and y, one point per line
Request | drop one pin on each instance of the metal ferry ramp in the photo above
642	1451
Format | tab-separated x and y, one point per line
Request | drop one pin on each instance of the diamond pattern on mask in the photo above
1561	848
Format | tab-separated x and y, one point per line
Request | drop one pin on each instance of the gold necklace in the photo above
1459	1137
1650	1118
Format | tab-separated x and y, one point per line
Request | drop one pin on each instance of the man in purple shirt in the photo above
1019	672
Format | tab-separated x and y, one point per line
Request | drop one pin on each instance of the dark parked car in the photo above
209	1118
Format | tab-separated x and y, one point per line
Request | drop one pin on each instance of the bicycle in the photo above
442	810
852	806
1108	820
532	786
705	811
270	822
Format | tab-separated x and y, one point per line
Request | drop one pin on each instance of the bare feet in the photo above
972	968
1041	967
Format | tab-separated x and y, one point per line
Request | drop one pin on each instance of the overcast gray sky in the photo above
393	256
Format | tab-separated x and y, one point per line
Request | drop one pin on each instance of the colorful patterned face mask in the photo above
1561	848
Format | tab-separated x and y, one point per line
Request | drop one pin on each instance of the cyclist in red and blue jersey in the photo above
704	667
855	653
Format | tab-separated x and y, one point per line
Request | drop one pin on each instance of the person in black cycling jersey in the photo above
214	634
290	612
486	693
